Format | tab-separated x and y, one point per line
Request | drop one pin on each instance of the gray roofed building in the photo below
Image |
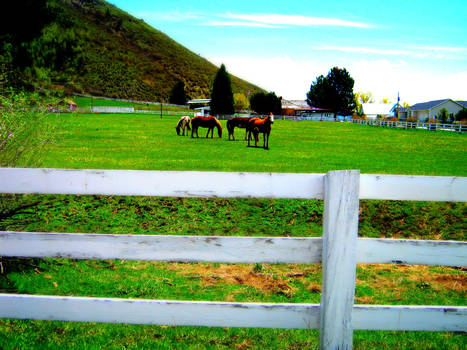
432	109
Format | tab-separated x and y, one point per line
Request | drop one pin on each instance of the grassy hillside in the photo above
91	46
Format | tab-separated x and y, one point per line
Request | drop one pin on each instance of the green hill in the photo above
91	46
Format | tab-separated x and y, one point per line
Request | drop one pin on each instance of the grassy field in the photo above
119	141
150	142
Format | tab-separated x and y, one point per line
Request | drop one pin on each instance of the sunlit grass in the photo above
106	141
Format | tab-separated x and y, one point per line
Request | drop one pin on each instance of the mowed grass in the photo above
102	141
115	141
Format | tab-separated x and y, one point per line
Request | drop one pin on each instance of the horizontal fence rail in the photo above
303	250
223	314
336	316
412	125
223	184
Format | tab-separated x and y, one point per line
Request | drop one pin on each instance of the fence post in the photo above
340	230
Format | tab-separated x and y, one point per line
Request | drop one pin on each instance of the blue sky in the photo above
417	48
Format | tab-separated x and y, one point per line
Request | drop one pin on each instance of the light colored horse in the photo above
183	123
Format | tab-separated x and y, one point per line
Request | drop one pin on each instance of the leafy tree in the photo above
386	100
240	102
178	95
335	92
265	103
222	101
462	114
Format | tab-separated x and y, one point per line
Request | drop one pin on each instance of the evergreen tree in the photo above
222	101
178	95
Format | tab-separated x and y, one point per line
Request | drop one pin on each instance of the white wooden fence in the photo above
339	250
413	125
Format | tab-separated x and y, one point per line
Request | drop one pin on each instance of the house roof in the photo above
423	106
295	104
427	105
200	100
301	105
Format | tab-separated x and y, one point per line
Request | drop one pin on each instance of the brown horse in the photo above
206	122
263	126
183	123
239	123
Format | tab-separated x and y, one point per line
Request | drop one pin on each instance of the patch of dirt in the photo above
239	275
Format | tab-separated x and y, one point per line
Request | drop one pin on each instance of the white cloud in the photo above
410	51
294	20
240	24
291	78
283	75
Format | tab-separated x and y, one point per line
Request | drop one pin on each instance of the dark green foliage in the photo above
222	101
462	114
335	92
265	103
178	95
443	116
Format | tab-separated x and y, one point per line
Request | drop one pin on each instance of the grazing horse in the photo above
257	126
239	123
183	123
206	122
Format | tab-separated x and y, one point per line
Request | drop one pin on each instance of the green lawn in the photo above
116	141
104	141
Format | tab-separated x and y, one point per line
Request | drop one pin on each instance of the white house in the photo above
432	109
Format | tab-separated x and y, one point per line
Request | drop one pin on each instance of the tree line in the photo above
333	92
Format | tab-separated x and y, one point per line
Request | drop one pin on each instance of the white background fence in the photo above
339	250
412	125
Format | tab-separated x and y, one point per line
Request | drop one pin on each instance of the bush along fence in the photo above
339	250
413	125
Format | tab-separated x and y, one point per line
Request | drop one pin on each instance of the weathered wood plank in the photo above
410	318
221	314
161	183
159	312
411	252
303	250
413	188
340	230
164	248
223	184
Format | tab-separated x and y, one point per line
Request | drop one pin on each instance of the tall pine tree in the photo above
222	101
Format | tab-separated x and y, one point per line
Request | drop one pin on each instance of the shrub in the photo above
461	115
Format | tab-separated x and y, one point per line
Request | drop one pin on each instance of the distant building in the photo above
200	102
201	105
301	108
373	110
431	109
